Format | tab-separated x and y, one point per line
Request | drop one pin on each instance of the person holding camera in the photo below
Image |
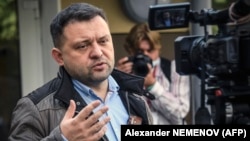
169	93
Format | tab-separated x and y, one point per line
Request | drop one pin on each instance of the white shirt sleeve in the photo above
173	103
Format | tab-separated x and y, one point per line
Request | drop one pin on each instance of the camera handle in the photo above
202	115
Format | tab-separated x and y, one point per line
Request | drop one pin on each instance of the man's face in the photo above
87	51
166	15
145	48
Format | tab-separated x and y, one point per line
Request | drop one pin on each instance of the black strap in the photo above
166	67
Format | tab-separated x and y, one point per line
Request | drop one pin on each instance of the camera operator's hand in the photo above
150	77
84	126
124	65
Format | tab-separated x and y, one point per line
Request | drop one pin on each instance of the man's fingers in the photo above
86	111
127	67
95	117
123	60
99	125
98	135
71	110
84	123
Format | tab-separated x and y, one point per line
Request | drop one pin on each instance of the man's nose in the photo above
96	50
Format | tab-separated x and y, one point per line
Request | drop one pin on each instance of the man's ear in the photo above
57	55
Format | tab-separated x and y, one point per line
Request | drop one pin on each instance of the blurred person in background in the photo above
167	19
168	92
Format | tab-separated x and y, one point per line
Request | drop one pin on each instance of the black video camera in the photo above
221	61
140	64
223	53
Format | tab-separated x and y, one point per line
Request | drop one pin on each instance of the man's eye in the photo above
103	41
82	46
150	50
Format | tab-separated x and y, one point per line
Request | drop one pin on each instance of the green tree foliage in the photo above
8	20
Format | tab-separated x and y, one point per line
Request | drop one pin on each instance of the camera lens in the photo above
140	66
